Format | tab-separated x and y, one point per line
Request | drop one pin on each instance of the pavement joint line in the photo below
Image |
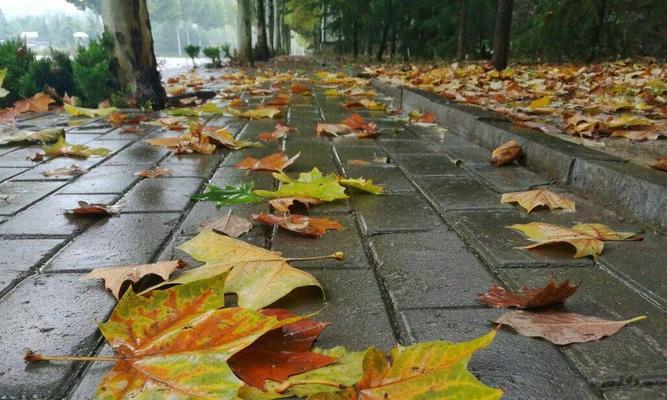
659	303
459	307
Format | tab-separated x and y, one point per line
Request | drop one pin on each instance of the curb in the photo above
627	188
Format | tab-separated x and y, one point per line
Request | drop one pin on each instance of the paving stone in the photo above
635	355
37	173
354	307
59	320
113	145
429	269
386	175
525	368
347	240
314	154
256	127
82	138
254	152
205	211
123	240
119	134
20	256
303	114
469	154
427	164
367	152
394	212
48	216
191	165
487	233
636	393
459	193
411	147
6	173
22	194
641	263
20	157
86	387
507	179
105	179
139	153
161	194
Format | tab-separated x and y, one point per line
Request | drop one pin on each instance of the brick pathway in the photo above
417	255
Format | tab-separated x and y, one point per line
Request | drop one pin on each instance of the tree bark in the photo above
601	6
355	40
244	31
287	34
278	27
461	40
501	39
134	64
262	44
386	24
271	11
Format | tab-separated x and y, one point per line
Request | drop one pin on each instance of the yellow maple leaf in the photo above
540	197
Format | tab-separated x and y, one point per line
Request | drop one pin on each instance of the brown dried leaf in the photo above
115	277
280	132
300	224
275	162
535	198
506	153
331	129
37	103
72	170
552	293
155	172
283	204
93	209
660	165
562	328
230	225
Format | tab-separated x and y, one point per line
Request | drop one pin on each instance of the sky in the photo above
12	8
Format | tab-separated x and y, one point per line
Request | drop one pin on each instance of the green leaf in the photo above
210	108
89	112
362	184
309	184
62	148
44	136
3	74
230	194
183	112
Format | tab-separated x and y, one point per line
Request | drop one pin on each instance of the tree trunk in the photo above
355	39
271	12
134	64
262	43
461	40
244	28
394	36
601	6
278	31
501	39
178	39
388	20
287	34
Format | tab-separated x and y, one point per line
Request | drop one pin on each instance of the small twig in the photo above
282	388
31	356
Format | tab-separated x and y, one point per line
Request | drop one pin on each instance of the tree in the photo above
501	38
461	31
134	64
244	28
262	43
278	10
192	51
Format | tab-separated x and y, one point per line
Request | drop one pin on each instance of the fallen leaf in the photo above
365	103
540	103
362	184
72	170
115	277
37	103
45	136
86	208
280	100
71	100
283	204
280	132
357	163
225	138
155	172
229	224
275	162
62	148
299	89
175	342
193	142
506	153
261	112
230	195
309	184
531	199
562	328
331	129
552	293
117	119
89	112
360	126
423	370
660	165
280	353
587	239
301	224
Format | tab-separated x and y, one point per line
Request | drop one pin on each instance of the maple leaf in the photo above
3	74
531	199
171	123
86	208
587	239
283	204
175	343
193	141
155	172
506	153
331	129
280	100
562	328
299	89
62	148
552	293
280	353
365	103
275	162
280	132
434	370
37	103
117	119
183	112
301	224
89	112
259	277
362	184
309	184
72	170
360	126
210	108
115	277
230	195
44	136
229	224
225	138
261	112
661	165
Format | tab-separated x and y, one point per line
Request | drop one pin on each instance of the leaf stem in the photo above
30	356
339	255
282	388
635	319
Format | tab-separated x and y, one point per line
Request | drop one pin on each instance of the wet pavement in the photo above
417	254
